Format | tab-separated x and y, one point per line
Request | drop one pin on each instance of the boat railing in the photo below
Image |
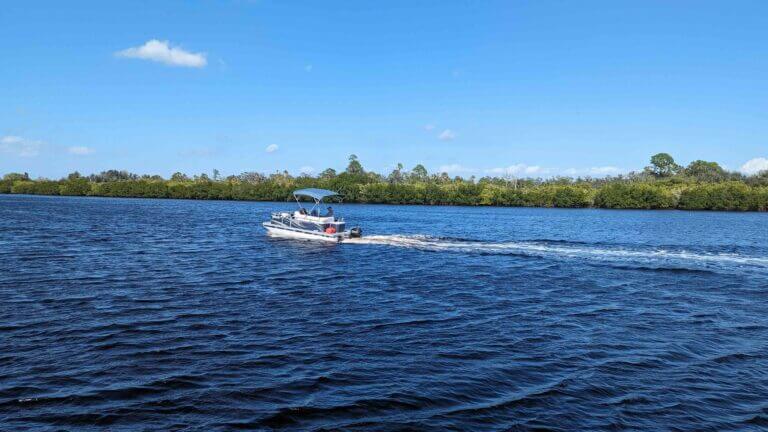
288	218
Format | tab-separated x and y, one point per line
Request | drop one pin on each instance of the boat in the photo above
310	224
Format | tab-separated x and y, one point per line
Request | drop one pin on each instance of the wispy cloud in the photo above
162	52
525	170
429	127
517	169
455	169
80	150
446	135
11	139
605	170
306	170
18	146
272	148
593	171
754	166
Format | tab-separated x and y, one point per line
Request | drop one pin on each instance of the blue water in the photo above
182	315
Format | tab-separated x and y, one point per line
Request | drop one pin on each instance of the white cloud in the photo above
10	139
306	170
80	150
593	171
162	52
429	127
454	169
516	170
272	148
18	146
754	166
604	170
533	169
446	135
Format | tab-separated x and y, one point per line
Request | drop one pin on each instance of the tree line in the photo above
701	185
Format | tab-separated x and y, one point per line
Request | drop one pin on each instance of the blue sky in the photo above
531	87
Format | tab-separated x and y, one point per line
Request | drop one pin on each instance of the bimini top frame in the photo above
316	194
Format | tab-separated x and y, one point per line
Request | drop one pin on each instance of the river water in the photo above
131	314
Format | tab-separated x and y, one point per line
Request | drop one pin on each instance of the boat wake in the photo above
654	258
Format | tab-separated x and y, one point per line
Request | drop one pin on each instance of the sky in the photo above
531	88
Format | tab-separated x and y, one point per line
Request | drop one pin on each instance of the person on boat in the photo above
315	212
330	212
303	211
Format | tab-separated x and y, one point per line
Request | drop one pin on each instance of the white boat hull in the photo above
296	233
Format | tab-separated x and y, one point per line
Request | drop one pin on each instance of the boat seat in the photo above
315	219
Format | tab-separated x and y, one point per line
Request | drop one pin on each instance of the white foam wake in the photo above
577	250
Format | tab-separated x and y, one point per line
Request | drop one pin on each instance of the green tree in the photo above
179	177
396	176
252	177
719	196
759	179
16	176
419	173
113	175
705	171
75	186
328	174
663	165
354	167
635	196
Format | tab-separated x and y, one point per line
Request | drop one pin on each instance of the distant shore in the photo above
724	196
701	185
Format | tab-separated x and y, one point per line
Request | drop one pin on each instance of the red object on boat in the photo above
330	230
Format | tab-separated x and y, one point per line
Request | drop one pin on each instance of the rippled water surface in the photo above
182	315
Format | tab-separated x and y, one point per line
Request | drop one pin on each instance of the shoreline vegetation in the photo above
663	184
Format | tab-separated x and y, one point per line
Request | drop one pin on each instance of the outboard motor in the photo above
355	232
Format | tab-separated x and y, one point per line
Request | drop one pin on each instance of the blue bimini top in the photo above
317	194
